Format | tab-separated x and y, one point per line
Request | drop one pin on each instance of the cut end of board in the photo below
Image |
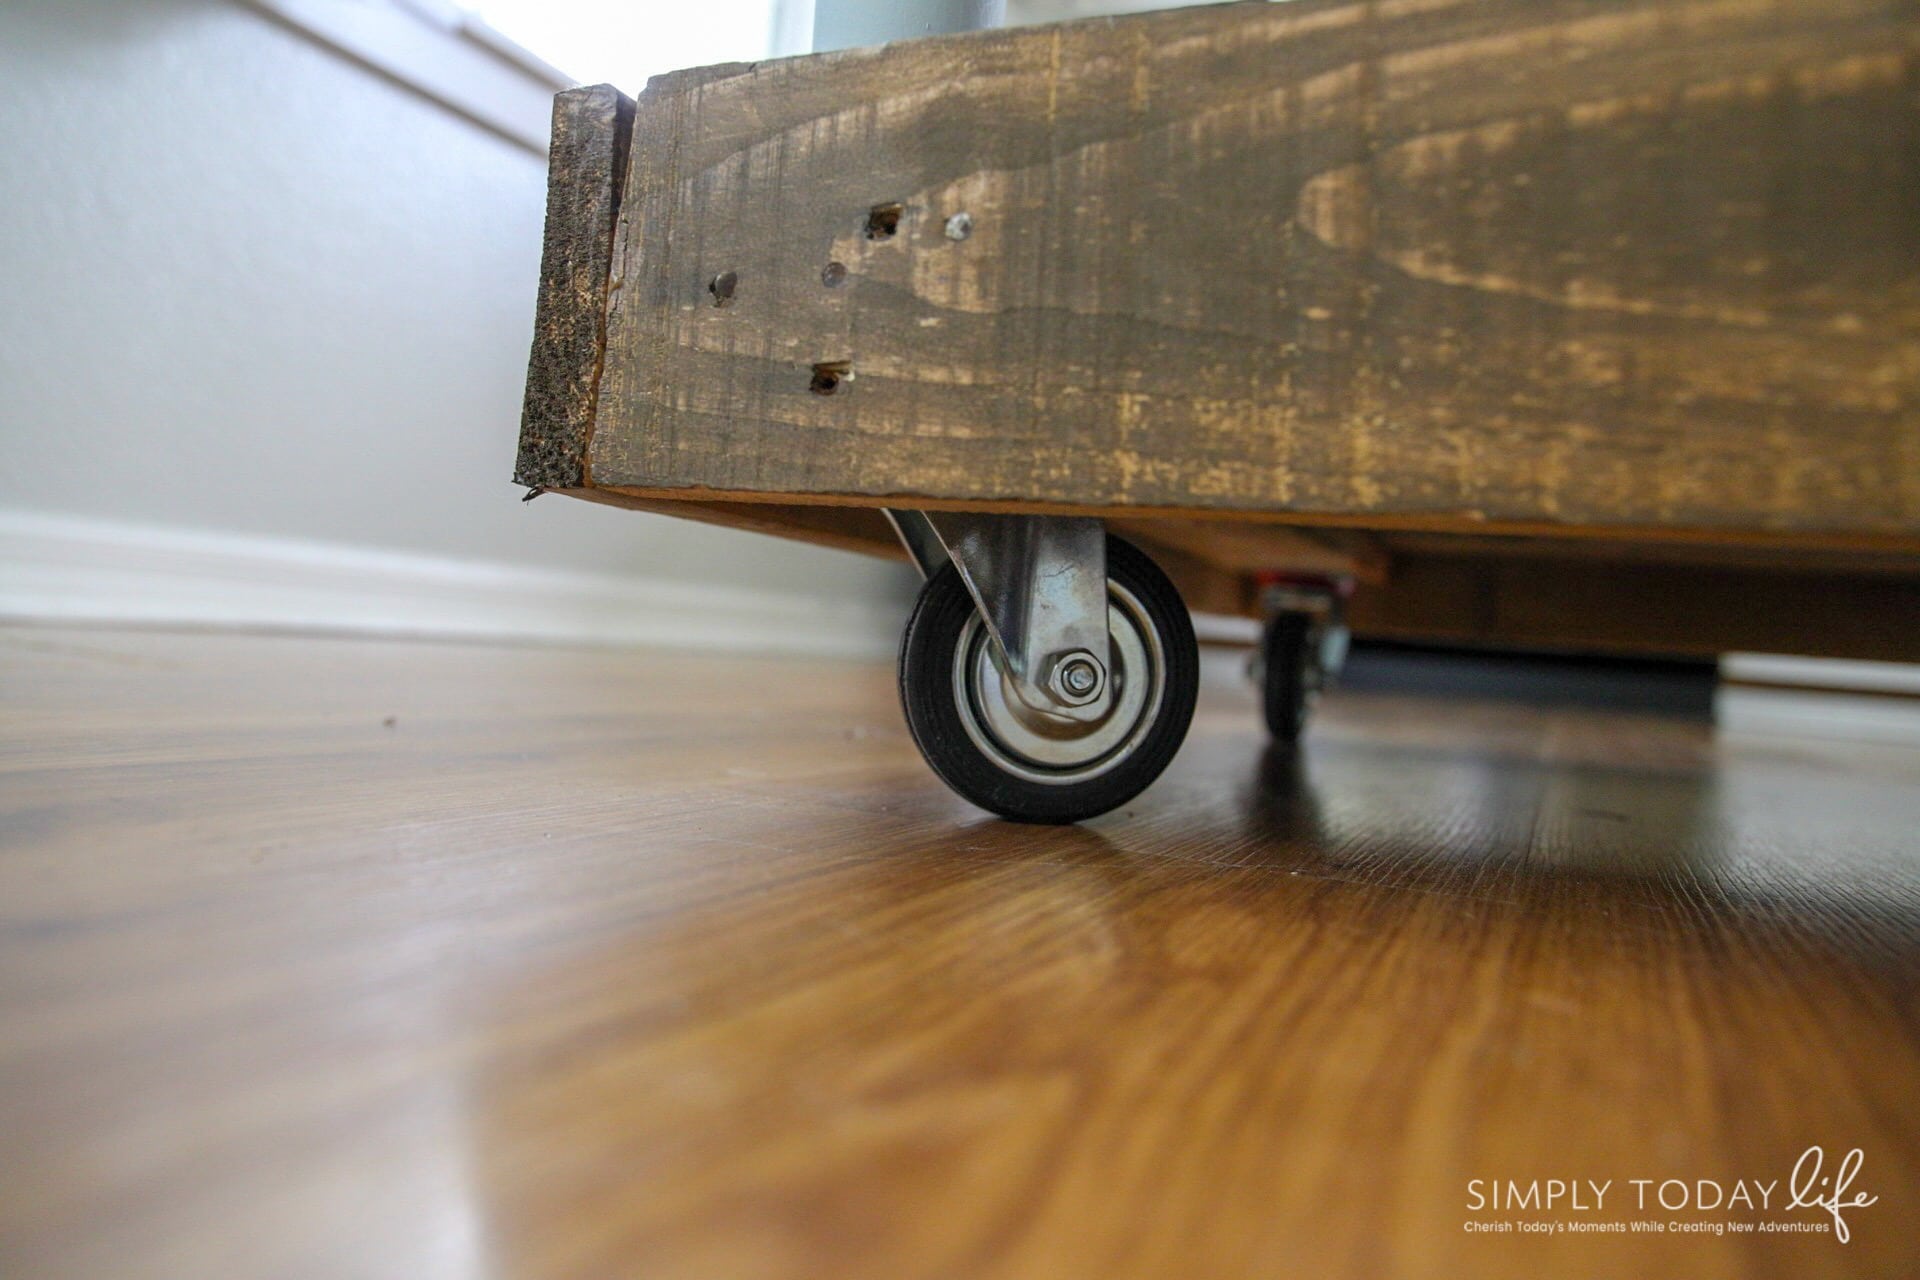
592	127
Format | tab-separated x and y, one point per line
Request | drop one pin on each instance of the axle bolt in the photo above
1074	678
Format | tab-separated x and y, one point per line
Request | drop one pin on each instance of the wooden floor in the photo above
336	959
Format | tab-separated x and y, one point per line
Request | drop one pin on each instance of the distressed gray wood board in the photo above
1640	266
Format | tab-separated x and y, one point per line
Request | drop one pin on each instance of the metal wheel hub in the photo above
1044	747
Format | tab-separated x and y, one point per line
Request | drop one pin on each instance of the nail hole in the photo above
833	274
959	226
721	287
883	220
828	376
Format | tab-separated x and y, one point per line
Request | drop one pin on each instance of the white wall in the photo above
623	42
250	287
1023	12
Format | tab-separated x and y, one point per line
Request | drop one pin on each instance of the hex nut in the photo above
1075	678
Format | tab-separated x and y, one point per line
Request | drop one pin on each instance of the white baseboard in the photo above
61	569
440	52
1821	673
1777	695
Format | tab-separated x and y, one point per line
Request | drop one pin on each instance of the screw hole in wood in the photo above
828	375
883	220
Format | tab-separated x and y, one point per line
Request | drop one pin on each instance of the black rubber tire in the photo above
1283	658
928	696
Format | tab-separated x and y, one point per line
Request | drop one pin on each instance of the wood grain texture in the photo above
328	958
1598	262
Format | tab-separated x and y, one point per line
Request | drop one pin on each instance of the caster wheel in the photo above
1286	656
1028	765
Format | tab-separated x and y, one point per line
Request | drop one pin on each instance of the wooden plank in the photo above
861	529
1209	583
1263	548
1600	263
1240	550
1846	562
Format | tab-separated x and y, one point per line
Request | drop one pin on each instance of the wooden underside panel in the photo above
1530	593
1208	583
1589	606
861	529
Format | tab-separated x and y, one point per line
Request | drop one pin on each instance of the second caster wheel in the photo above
1301	650
1029	765
1288	685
